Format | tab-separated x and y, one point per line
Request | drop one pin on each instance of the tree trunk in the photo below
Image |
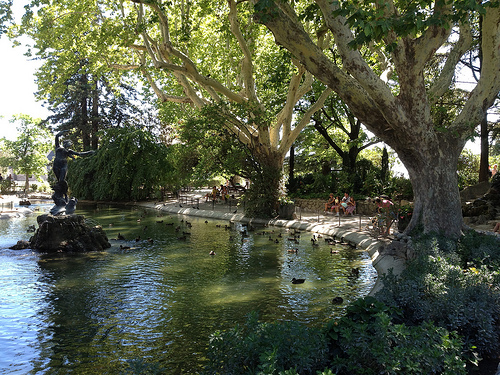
384	170
291	165
484	174
84	117
27	186
437	204
95	118
261	200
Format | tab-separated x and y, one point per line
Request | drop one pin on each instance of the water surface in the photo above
161	297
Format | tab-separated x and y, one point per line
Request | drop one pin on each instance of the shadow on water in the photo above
157	294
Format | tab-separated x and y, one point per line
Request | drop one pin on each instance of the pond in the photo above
158	295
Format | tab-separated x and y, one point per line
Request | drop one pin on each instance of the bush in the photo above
366	341
267	348
434	287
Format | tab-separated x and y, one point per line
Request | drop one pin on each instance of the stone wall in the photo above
364	207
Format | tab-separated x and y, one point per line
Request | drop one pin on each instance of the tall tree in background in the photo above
89	105
397	98
191	52
336	116
27	155
473	60
342	132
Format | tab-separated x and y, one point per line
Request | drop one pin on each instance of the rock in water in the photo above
67	234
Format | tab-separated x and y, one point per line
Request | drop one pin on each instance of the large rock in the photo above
488	205
67	233
473	192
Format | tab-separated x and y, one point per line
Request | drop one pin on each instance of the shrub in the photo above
435	288
366	341
476	249
267	348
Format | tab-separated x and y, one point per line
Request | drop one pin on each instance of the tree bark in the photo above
262	197
95	118
484	170
433	176
291	164
404	121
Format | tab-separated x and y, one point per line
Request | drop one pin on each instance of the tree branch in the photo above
288	140
443	82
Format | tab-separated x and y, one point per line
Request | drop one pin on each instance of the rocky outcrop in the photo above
67	233
486	206
471	193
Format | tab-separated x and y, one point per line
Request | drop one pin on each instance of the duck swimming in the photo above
298	281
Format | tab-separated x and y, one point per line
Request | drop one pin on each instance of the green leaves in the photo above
372	21
5	15
27	155
130	165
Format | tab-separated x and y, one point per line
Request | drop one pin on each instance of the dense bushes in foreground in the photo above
364	341
457	286
437	317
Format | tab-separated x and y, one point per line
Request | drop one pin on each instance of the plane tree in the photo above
27	154
398	97
193	53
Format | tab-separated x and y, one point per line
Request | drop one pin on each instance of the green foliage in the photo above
5	15
365	183
468	169
477	250
6	186
434	287
208	149
27	155
367	341
412	19
130	165
267	348
261	200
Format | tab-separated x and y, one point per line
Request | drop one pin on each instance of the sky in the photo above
17	83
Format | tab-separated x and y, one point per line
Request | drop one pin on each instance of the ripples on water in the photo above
161	299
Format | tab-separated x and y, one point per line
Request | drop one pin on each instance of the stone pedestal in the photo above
67	233
286	211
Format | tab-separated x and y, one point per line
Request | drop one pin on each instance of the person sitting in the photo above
335	206
215	193
351	207
330	202
344	201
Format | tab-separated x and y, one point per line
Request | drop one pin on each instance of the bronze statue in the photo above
60	168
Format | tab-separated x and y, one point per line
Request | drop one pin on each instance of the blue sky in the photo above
17	83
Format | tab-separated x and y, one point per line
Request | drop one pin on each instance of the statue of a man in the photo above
60	168
62	154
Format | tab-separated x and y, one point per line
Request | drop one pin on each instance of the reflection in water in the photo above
163	296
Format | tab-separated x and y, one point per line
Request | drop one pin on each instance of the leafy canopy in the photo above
27	155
